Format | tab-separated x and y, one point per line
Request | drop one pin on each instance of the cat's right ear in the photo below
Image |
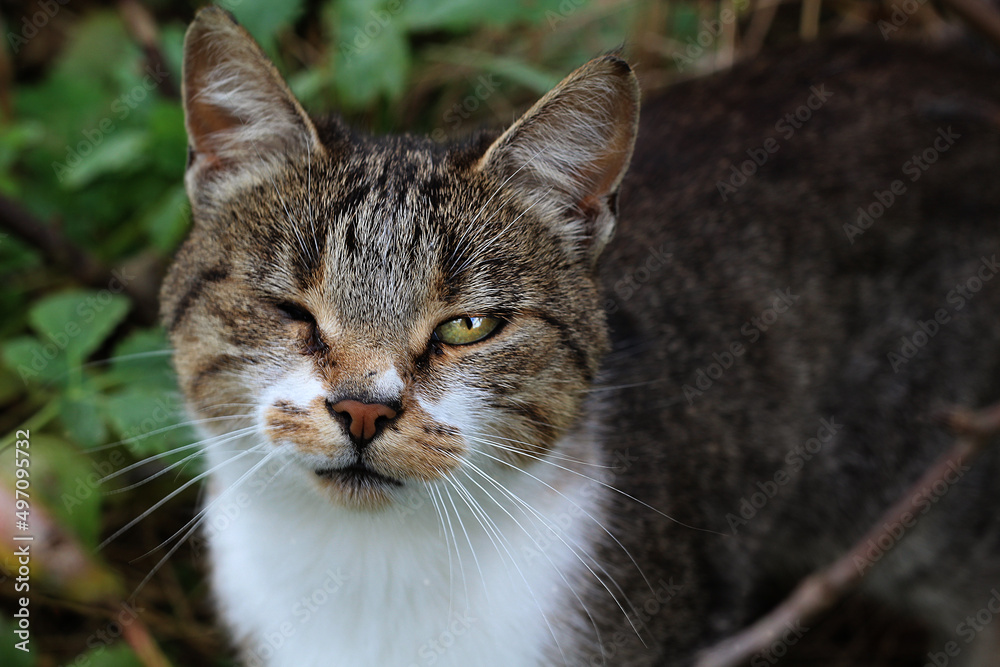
568	154
241	118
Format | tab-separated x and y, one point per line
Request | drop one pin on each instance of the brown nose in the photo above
362	416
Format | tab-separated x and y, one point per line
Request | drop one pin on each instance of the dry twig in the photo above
142	26
76	261
819	591
136	634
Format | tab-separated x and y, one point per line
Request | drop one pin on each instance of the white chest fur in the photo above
433	581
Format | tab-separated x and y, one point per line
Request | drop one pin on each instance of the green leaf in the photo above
78	321
686	17
82	419
142	361
166	221
10	385
168	139
458	15
372	59
14	139
64	122
172	45
99	48
520	72
148	420
95	65
512	69
111	152
35	362
119	655
16	256
308	85
264	18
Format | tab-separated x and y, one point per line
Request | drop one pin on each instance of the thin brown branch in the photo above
61	252
123	614
54	246
975	423
809	21
137	635
821	590
760	25
142	26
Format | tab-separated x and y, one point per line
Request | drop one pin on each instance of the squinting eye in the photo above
295	312
465	330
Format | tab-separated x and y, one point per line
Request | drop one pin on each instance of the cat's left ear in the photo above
569	152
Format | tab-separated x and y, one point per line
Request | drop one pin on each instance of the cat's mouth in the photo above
357	475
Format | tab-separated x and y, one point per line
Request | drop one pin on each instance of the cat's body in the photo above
505	500
817	305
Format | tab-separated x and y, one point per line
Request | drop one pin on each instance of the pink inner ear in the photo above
238	109
213	40
606	169
204	120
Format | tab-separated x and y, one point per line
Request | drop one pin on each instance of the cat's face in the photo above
354	279
387	312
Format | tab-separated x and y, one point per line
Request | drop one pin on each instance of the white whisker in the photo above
196	519
573	548
458	553
148	459
431	491
588	514
203	514
555	455
171	427
471	501
168	497
127	357
607	486
521	503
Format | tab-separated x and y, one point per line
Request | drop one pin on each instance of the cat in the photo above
453	416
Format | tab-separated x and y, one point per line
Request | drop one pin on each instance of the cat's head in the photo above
388	310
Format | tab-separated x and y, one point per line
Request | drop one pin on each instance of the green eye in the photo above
465	330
